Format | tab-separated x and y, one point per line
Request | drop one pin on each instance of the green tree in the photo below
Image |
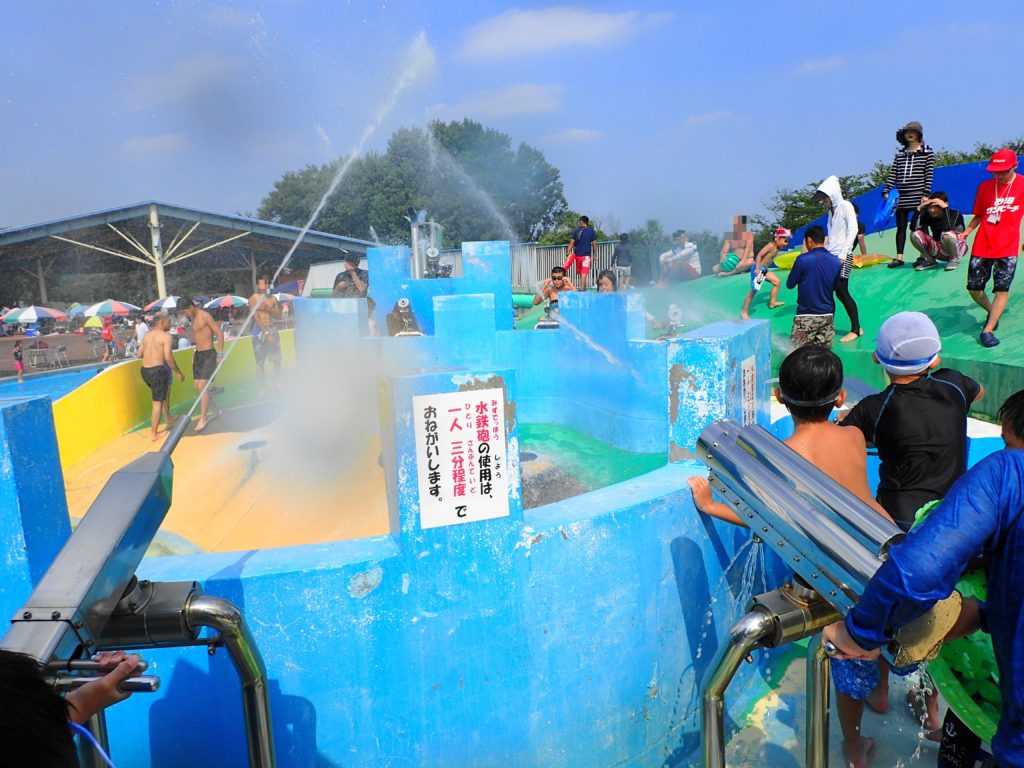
466	176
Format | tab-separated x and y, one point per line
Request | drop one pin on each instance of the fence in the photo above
531	263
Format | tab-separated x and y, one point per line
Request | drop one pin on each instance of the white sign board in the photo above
461	457
748	390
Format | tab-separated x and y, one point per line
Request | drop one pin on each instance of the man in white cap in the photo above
998	209
919	422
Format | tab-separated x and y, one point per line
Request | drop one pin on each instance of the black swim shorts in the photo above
1000	270
158	379
204	363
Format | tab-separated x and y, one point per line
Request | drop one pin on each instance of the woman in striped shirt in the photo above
911	174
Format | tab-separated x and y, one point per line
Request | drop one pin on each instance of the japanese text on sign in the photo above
461	457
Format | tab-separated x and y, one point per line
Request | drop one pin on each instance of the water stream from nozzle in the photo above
419	61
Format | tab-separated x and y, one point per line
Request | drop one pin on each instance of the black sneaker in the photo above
922	264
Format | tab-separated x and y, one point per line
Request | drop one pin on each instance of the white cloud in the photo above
159	144
817	66
520	32
573	136
509	100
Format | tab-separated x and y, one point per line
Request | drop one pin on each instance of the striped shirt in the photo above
911	173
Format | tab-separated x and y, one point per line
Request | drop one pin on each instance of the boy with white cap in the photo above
998	209
919	422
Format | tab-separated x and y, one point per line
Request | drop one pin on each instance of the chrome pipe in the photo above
87	756
745	635
223	616
864	521
817	704
812	543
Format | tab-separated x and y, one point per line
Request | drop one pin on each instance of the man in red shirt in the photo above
998	209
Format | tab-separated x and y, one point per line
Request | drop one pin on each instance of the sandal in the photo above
895	263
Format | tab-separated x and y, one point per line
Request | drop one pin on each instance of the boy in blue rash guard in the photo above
983	513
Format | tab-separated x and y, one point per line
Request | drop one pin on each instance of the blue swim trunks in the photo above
857	677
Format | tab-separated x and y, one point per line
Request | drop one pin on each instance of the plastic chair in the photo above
37	358
60	358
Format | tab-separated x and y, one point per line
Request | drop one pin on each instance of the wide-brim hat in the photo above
913	125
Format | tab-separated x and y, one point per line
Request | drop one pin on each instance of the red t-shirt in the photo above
995	241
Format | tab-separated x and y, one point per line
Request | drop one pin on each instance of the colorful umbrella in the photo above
33	314
284	297
168	302
94	322
226	301
111	307
75	310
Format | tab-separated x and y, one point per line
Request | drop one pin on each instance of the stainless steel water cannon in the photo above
833	542
89	599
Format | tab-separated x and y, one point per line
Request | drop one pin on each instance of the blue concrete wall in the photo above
573	637
486	268
706	368
33	511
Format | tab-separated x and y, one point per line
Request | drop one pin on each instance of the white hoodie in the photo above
842	220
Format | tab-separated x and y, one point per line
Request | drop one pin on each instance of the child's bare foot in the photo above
744	315
855	752
878	699
776	304
154	436
849	337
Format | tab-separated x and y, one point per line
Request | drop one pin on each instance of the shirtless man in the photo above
558	282
204	362
764	260
265	340
157	362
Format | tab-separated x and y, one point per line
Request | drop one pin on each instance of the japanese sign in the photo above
461	457
748	390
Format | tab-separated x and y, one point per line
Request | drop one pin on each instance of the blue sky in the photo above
684	112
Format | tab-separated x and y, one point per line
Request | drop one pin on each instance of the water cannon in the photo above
674	321
401	320
427	240
90	600
832	541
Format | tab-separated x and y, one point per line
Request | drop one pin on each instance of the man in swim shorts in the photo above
204	361
580	250
266	343
157	363
759	273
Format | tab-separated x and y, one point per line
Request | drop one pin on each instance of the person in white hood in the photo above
842	234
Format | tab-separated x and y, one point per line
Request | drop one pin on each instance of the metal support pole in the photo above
745	635
817	704
41	274
221	615
158	251
97	726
